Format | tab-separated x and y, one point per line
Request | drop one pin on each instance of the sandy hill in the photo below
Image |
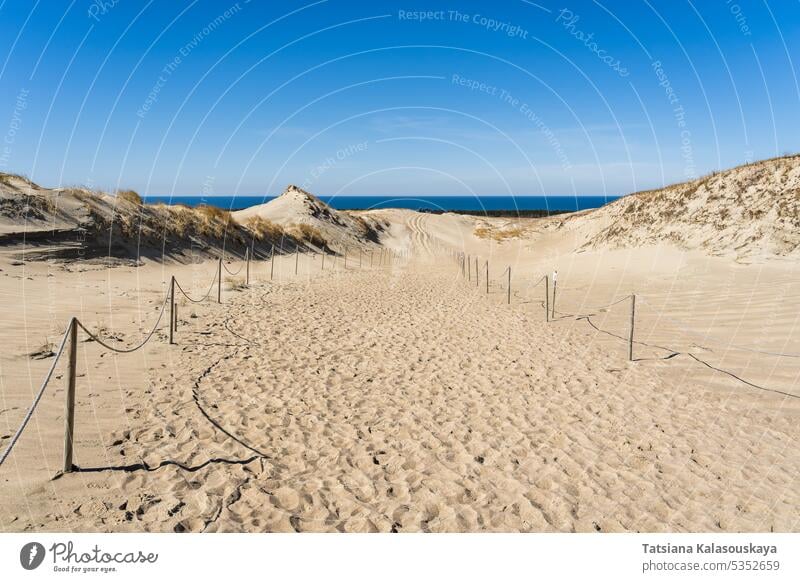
748	211
28	208
309	218
71	223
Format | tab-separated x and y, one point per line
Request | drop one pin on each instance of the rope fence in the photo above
468	266
70	338
464	262
706	338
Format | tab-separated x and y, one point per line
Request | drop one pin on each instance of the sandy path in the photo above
402	399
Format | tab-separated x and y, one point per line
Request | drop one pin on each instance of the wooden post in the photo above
509	284
272	263
69	413
247	271
171	309
359	258
487	277
323	260
555	284
219	281
296	260
469	268
176	317
547	298
476	272
633	317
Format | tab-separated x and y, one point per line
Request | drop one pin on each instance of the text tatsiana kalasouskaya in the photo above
712	548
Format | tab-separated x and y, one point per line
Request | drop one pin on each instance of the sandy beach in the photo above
316	273
403	397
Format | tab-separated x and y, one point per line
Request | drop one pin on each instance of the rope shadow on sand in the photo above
143	466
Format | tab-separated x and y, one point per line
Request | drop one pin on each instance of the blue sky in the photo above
511	97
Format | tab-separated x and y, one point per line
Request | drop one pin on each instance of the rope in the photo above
674	353
37	399
721	342
598	308
49	375
127	350
211	288
231	272
539	281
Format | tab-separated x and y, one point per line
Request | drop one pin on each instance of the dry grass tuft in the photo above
236	283
43	352
214	221
130	196
308	234
499	234
7	178
183	221
264	229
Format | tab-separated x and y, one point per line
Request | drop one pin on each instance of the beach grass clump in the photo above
182	221
130	196
362	225
214	221
236	283
499	234
309	234
7	178
264	229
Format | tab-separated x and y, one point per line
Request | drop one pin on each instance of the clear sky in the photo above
503	97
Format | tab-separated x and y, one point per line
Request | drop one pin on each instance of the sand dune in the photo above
68	224
296	208
750	212
402	397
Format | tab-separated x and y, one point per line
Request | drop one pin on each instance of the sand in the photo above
404	398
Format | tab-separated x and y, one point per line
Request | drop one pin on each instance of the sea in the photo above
429	203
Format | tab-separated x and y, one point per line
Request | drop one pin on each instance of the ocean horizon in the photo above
428	203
